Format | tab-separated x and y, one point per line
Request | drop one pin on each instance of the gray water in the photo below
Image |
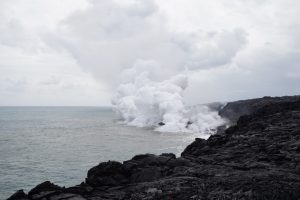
61	143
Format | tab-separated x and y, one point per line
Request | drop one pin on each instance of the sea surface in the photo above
61	143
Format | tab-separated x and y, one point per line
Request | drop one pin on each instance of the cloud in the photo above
211	48
13	85
109	37
32	72
228	49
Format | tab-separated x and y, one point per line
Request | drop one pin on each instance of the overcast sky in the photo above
72	52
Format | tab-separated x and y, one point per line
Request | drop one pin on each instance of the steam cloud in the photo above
156	63
156	55
143	102
226	49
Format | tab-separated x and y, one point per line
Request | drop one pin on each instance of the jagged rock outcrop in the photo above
258	158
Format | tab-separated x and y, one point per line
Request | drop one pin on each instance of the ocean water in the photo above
61	143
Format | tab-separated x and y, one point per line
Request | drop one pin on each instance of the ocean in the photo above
60	144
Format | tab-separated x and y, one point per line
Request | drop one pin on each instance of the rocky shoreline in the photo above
257	157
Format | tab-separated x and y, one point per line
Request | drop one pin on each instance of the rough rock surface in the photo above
258	158
233	110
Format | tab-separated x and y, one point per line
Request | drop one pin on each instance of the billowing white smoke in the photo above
204	120
142	102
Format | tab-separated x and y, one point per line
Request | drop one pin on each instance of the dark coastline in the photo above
257	157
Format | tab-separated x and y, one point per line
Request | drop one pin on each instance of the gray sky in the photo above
71	52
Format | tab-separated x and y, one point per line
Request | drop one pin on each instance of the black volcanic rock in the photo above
18	195
233	110
109	173
258	158
43	190
161	124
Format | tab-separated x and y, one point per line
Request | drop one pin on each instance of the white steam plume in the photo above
144	102
134	37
